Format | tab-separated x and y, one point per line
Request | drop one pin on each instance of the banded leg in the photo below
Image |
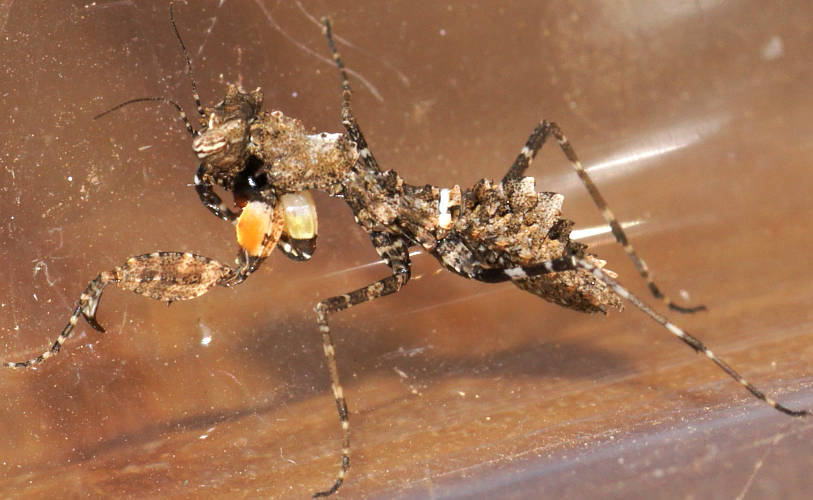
524	159
348	120
572	262
164	276
396	253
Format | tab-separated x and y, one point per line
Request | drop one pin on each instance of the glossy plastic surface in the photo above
696	120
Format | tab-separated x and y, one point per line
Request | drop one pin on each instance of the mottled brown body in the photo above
492	226
515	226
294	160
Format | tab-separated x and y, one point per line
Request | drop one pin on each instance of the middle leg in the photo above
395	251
348	120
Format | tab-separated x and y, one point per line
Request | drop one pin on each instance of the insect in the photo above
493	232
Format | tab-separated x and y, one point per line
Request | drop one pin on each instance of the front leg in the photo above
298	240
173	276
395	250
210	199
164	276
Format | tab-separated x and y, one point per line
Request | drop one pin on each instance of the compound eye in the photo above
234	129
209	143
300	215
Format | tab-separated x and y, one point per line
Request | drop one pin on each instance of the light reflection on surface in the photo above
647	15
646	150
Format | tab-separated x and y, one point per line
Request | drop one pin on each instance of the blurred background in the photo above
695	117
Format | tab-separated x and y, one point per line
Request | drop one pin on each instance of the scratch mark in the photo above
401	76
757	466
5	7
373	90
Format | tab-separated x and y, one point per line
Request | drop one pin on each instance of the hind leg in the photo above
524	159
573	263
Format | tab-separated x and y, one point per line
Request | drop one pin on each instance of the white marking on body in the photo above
444	217
516	273
325	138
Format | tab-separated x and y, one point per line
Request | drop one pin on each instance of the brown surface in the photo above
506	395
